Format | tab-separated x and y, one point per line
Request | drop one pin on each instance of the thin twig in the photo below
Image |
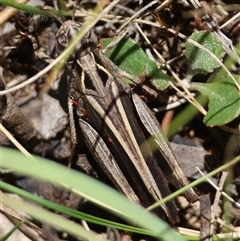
221	191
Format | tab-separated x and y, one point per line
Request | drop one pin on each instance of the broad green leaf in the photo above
224	101
199	61
133	60
90	189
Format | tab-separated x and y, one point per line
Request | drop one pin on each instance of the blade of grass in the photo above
34	10
71	212
51	218
8	234
90	189
195	183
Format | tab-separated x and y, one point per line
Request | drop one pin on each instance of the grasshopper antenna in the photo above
54	15
78	2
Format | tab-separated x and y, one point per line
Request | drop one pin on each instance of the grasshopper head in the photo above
67	31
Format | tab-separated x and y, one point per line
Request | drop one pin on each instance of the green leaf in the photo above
88	188
133	60
8	235
70	212
51	218
224	101
199	61
34	10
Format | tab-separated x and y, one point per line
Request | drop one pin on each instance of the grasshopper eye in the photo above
63	40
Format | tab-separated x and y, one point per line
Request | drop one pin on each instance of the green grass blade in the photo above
8	234
71	212
90	189
52	219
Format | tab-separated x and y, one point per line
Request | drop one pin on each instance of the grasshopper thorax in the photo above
67	31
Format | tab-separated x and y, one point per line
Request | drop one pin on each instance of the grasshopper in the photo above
116	125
